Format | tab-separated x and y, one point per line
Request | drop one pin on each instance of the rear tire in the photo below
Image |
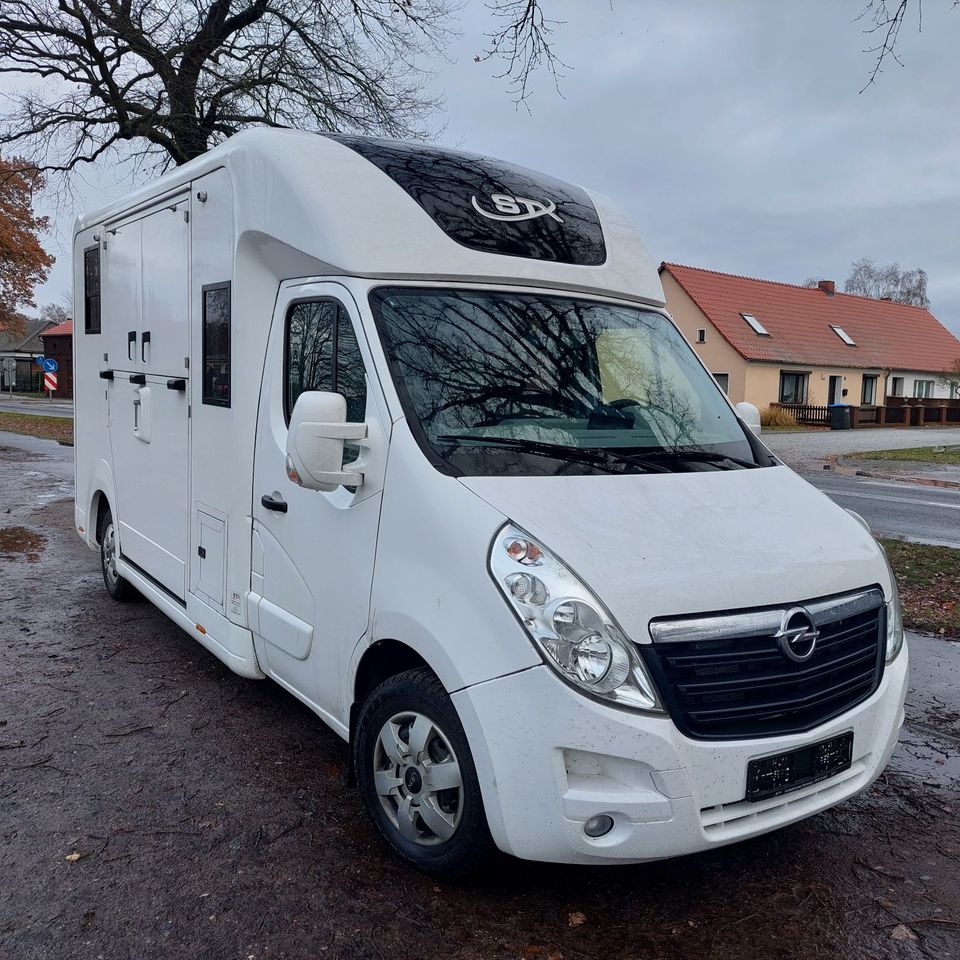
417	776
118	588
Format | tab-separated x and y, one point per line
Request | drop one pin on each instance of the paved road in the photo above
896	509
797	448
37	408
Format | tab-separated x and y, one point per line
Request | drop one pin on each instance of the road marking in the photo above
877	496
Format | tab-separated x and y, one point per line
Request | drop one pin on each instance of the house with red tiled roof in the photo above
769	342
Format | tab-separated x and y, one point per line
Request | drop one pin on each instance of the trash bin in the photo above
839	416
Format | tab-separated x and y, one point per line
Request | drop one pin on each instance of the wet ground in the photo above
152	804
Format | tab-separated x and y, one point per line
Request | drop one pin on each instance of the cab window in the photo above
322	353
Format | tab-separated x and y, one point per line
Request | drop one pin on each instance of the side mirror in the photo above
750	415
315	438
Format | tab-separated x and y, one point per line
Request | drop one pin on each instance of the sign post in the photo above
50	367
10	369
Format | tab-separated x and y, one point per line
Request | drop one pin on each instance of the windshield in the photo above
526	383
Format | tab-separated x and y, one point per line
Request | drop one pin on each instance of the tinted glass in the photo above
216	344
583	375
91	290
490	205
310	331
322	354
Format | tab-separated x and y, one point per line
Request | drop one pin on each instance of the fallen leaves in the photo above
902	932
73	857
929	581
576	919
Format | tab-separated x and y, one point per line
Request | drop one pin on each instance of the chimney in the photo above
827	286
887	299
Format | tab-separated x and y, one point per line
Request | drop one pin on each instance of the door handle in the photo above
274	503
131	339
178	384
140	379
144	340
106	374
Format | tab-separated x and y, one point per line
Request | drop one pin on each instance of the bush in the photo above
778	417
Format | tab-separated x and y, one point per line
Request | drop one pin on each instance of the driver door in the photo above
313	552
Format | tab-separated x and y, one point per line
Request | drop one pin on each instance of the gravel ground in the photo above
155	805
799	449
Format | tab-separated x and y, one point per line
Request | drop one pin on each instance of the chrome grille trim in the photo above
754	623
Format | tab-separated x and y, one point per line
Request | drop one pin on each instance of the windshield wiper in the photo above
594	456
702	456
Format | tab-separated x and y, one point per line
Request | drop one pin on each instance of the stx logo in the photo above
516	208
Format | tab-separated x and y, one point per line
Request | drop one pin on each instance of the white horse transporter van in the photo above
410	432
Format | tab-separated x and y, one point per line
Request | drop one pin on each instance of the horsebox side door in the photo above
147	309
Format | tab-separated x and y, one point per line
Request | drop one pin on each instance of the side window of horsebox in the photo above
216	344
322	354
91	289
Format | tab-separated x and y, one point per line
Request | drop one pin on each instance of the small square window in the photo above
758	328
701	335
843	335
723	381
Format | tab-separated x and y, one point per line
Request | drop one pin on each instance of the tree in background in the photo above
23	261
55	313
884	19
868	279
168	79
951	379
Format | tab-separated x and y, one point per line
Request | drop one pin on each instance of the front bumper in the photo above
549	758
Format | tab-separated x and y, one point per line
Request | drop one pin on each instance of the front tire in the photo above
417	776
118	588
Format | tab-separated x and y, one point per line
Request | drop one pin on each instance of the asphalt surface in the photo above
152	804
37	408
896	509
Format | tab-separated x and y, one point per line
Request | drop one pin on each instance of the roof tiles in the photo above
799	320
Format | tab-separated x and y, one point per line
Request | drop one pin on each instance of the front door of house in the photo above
835	393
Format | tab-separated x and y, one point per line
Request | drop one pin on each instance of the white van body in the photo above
184	292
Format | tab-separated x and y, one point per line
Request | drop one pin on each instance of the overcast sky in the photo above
734	134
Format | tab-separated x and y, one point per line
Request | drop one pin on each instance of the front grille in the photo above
725	676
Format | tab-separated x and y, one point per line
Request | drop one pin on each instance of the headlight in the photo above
894	613
567	622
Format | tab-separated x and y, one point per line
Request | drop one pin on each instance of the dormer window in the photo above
755	325
842	334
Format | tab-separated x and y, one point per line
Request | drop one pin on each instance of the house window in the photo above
216	344
701	335
923	388
793	386
91	289
868	395
843	335
896	386
723	381
755	325
322	354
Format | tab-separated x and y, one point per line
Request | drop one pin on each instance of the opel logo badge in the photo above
798	635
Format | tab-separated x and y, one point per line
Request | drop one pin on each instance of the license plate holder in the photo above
785	772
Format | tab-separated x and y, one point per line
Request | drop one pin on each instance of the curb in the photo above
843	470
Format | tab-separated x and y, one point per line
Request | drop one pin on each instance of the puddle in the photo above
21	541
15	455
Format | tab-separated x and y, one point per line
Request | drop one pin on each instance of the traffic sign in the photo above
38	360
50	365
49	381
9	364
